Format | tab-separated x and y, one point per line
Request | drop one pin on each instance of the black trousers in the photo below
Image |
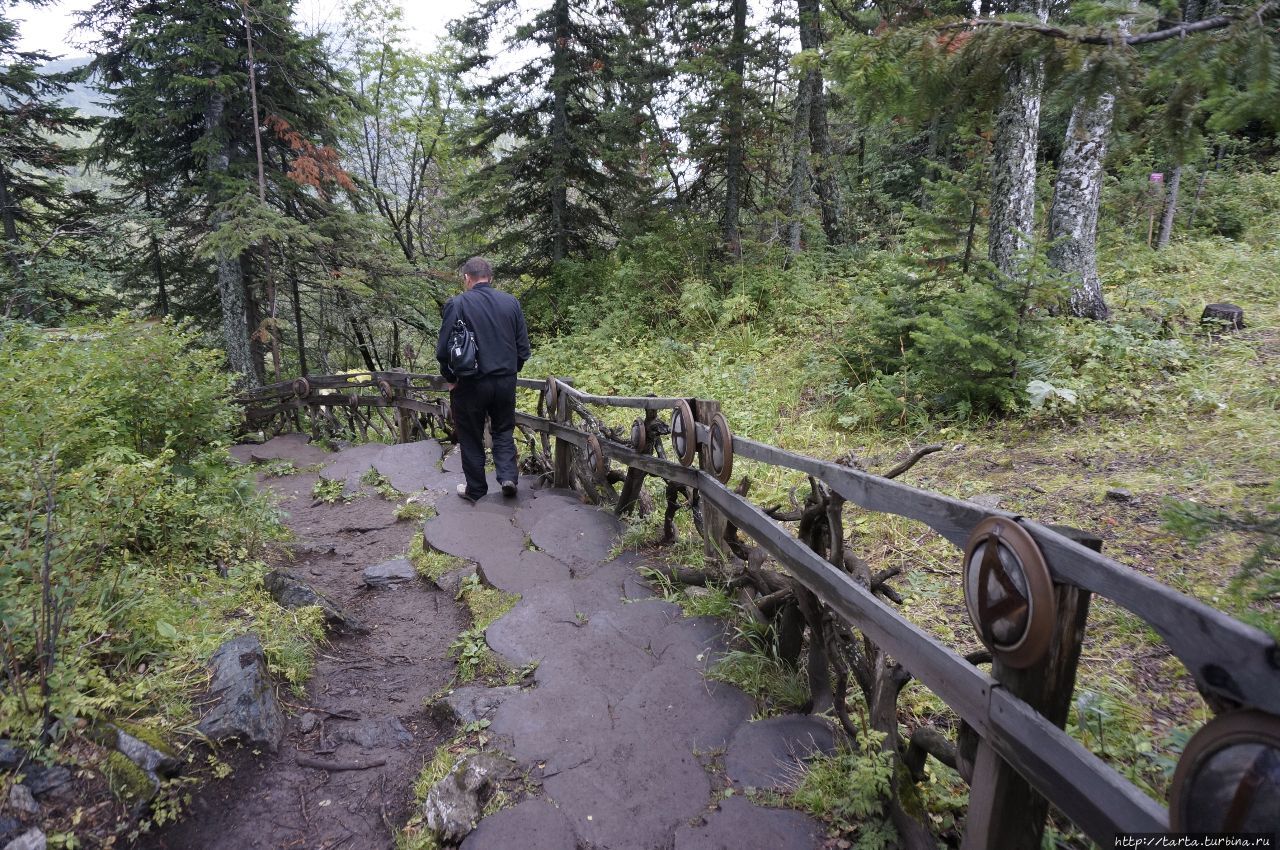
473	400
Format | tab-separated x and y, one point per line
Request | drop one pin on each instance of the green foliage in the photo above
1258	580
848	789
429	563
119	504
330	491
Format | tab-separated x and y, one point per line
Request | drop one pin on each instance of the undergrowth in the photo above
129	536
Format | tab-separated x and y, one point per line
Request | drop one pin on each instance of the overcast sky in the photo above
49	28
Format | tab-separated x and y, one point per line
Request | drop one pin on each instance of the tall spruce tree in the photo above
559	132
182	139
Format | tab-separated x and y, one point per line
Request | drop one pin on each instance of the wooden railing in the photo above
1028	590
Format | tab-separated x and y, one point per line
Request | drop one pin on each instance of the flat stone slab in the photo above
349	465
533	825
769	753
411	467
707	713
577	534
545	502
741	825
475	535
634	792
523	572
291	447
559	726
389	574
544	617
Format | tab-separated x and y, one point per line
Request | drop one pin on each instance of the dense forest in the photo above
861	226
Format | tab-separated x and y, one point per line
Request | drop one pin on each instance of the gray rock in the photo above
10	827
246	705
987	500
389	574
470	704
1119	494
307	723
32	839
292	592
22	801
452	807
10	756
154	762
373	733
42	780
451	582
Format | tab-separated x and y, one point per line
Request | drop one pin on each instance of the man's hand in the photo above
450	387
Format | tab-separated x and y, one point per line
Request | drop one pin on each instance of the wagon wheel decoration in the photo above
1228	778
595	457
1009	592
301	387
683	434
639	437
718	452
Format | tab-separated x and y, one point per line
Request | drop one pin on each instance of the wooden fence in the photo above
1028	588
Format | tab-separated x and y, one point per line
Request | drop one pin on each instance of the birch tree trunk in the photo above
235	329
1013	167
1170	207
1077	193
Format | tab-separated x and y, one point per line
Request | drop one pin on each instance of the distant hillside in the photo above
82	96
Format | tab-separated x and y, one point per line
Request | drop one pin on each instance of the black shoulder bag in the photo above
464	354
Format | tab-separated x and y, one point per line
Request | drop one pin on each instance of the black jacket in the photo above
497	321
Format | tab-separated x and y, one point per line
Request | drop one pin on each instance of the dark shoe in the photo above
462	492
509	489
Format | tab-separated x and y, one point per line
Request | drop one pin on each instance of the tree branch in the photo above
1214	23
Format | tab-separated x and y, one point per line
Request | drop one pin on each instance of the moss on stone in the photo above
148	735
125	779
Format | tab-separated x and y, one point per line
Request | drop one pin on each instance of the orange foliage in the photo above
313	165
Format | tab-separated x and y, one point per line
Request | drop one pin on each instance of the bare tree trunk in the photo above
560	132
1170	207
262	193
736	132
822	163
797	188
1013	167
235	331
1073	217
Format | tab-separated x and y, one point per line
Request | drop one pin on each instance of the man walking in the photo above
502	341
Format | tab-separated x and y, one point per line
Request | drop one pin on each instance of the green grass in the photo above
330	492
428	562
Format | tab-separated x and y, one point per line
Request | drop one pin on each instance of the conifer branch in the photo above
1214	23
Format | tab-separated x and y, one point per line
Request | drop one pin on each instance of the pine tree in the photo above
33	199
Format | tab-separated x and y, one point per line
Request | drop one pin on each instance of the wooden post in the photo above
634	481
1005	812
562	475
714	523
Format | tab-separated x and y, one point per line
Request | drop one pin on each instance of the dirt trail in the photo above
621	739
381	678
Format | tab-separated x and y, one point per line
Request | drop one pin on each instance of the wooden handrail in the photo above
1234	661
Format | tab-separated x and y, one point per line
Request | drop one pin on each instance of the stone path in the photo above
629	744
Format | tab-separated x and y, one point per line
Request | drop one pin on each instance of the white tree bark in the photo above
1013	166
1077	194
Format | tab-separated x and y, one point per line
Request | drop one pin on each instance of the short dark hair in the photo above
478	268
